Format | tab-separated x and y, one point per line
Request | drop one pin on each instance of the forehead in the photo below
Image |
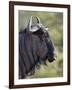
38	32
35	25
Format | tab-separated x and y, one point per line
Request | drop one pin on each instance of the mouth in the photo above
51	59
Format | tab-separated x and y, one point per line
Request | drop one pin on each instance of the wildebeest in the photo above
35	46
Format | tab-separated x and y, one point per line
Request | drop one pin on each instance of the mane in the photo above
36	64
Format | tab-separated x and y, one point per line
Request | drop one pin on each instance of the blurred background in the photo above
54	22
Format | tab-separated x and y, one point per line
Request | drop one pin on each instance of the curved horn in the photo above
30	22
38	20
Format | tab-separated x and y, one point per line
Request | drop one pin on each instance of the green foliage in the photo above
54	22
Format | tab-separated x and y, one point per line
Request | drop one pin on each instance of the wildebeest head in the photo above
42	41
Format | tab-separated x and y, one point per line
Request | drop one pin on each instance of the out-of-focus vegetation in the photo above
54	22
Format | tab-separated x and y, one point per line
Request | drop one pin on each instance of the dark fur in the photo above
34	48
